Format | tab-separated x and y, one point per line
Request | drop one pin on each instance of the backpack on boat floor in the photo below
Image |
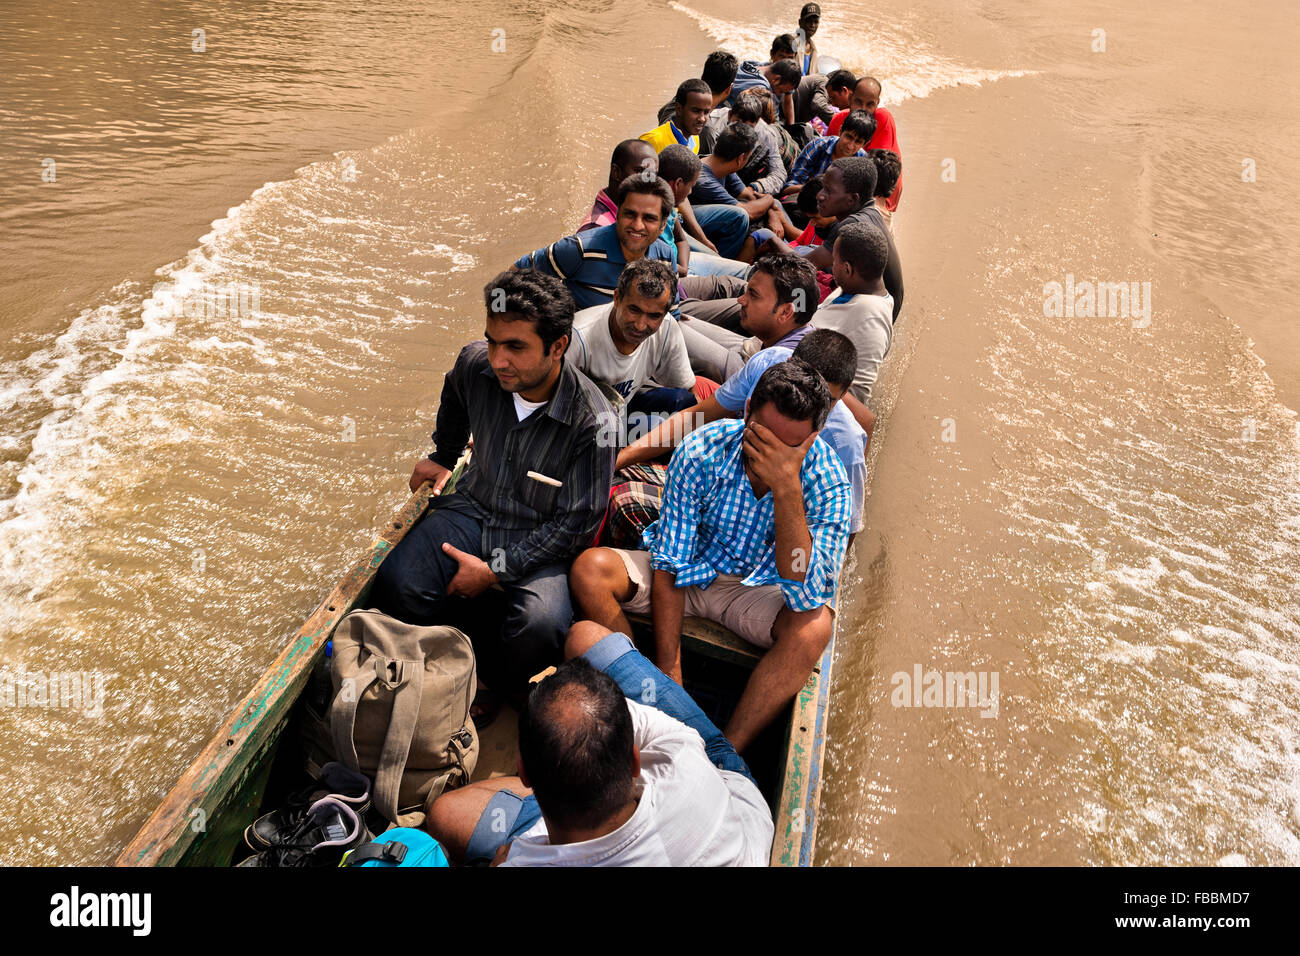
400	712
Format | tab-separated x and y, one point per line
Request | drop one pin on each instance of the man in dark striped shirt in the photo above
532	497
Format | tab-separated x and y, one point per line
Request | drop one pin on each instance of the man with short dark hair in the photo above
821	96
781	77
630	156
860	306
625	770
692	106
765	171
719	72
720	186
752	534
824	150
591	262
779	298
866	96
532	496
783	48
633	343
847	189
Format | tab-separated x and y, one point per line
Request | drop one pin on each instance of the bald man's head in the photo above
866	95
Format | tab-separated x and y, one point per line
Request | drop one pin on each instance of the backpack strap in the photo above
343	717
401	732
390	852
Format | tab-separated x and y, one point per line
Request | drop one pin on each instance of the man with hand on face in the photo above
532	497
752	534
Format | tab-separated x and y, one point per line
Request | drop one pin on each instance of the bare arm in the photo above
683	249
670	431
692	225
865	417
757	208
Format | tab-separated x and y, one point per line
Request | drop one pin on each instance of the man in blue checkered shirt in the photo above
752	534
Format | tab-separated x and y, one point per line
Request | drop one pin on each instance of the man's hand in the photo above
429	470
499	857
772	461
674	669
474	576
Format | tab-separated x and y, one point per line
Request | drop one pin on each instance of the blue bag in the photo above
400	846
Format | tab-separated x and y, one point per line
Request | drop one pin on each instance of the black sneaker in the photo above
336	780
327	830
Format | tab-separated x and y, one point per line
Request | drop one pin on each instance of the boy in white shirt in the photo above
860	308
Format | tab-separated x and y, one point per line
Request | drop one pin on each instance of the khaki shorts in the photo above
747	610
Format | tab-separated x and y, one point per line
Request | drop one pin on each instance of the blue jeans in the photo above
707	264
515	634
641	681
726	226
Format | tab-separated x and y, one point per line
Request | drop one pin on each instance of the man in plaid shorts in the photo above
752	534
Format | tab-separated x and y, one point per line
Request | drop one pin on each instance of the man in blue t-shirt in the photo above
591	262
719	185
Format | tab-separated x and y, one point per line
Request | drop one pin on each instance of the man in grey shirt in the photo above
823	96
765	172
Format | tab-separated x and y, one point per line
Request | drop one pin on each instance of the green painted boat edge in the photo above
795	816
230	772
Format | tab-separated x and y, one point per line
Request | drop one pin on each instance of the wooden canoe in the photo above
201	820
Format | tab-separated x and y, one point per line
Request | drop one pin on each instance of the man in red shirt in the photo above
866	96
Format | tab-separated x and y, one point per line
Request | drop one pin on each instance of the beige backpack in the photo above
400	712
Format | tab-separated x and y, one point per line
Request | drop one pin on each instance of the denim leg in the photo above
538	615
646	684
411	583
663	401
707	264
726	226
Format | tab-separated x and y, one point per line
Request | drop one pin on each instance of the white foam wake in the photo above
903	63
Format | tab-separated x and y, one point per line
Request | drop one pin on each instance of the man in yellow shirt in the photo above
693	103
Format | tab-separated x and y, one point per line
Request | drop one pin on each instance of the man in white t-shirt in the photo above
634	347
625	770
861	308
